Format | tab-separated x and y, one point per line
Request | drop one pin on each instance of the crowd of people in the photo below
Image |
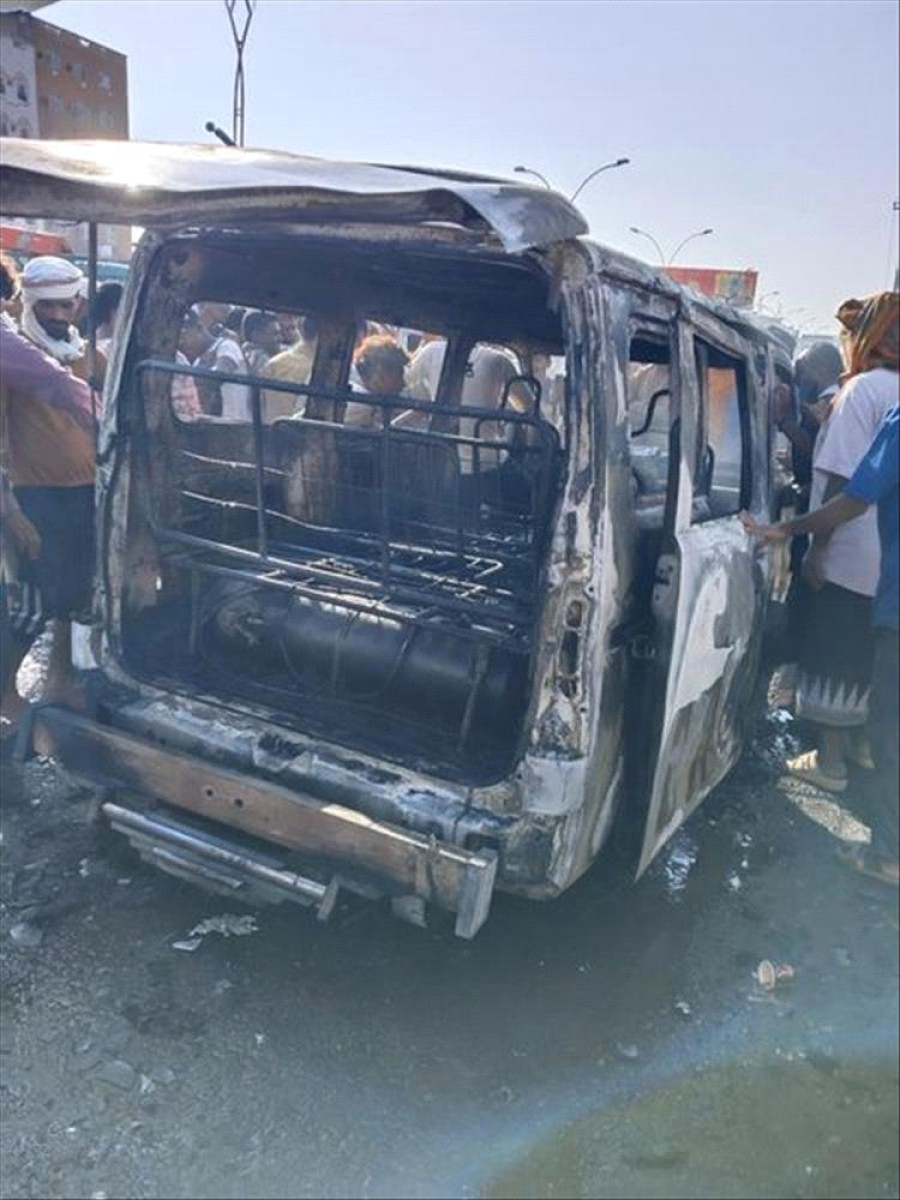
387	361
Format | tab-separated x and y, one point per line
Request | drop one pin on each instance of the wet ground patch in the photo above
747	1129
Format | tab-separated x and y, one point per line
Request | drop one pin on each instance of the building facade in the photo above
55	84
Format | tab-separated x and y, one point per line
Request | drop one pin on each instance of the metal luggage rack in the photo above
468	557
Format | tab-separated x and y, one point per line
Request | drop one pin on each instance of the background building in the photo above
55	84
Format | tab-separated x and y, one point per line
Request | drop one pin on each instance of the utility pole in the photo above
240	29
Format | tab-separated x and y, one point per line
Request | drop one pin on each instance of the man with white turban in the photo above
53	291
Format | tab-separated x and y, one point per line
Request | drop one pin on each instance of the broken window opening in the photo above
648	404
723	476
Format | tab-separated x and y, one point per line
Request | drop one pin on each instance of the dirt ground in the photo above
612	1043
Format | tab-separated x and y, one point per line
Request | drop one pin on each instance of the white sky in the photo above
776	123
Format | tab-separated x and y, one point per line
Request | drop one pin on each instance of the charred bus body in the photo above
410	644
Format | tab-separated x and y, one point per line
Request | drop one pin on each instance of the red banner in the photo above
737	287
30	241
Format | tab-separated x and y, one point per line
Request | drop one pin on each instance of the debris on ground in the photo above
769	975
26	935
629	1052
228	925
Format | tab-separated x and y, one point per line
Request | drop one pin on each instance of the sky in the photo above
773	123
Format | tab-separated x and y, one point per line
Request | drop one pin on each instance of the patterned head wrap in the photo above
872	328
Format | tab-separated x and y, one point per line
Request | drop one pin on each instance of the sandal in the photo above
861	859
860	755
806	767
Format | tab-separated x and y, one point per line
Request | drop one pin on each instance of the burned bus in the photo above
421	642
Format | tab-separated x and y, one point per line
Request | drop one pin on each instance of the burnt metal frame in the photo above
488	618
386	435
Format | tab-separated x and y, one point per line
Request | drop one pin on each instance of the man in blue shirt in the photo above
874	482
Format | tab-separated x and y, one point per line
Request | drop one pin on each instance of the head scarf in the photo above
873	332
51	278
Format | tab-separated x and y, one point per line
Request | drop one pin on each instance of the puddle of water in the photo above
678	862
785	1130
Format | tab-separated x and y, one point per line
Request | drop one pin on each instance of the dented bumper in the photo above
338	842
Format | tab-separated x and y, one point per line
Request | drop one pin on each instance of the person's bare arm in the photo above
837	511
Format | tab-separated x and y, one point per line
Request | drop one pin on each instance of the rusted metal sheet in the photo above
453	878
150	183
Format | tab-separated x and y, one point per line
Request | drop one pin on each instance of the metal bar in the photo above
92	306
208	460
152	828
480	562
485	542
316	393
479	672
385	447
256	413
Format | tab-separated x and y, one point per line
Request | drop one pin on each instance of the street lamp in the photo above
699	234
662	258
240	30
764	297
537	175
650	238
620	162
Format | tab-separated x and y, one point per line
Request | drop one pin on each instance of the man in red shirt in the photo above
46	503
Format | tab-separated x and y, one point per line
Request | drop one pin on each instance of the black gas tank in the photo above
431	672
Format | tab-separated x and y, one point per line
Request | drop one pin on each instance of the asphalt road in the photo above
612	1043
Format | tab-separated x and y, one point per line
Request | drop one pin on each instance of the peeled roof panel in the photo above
148	183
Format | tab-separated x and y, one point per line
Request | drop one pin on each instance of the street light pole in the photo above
240	41
650	238
537	175
662	258
699	234
620	162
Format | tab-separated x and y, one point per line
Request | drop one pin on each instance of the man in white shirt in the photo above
225	355
488	370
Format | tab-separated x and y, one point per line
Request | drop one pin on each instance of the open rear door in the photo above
707	594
